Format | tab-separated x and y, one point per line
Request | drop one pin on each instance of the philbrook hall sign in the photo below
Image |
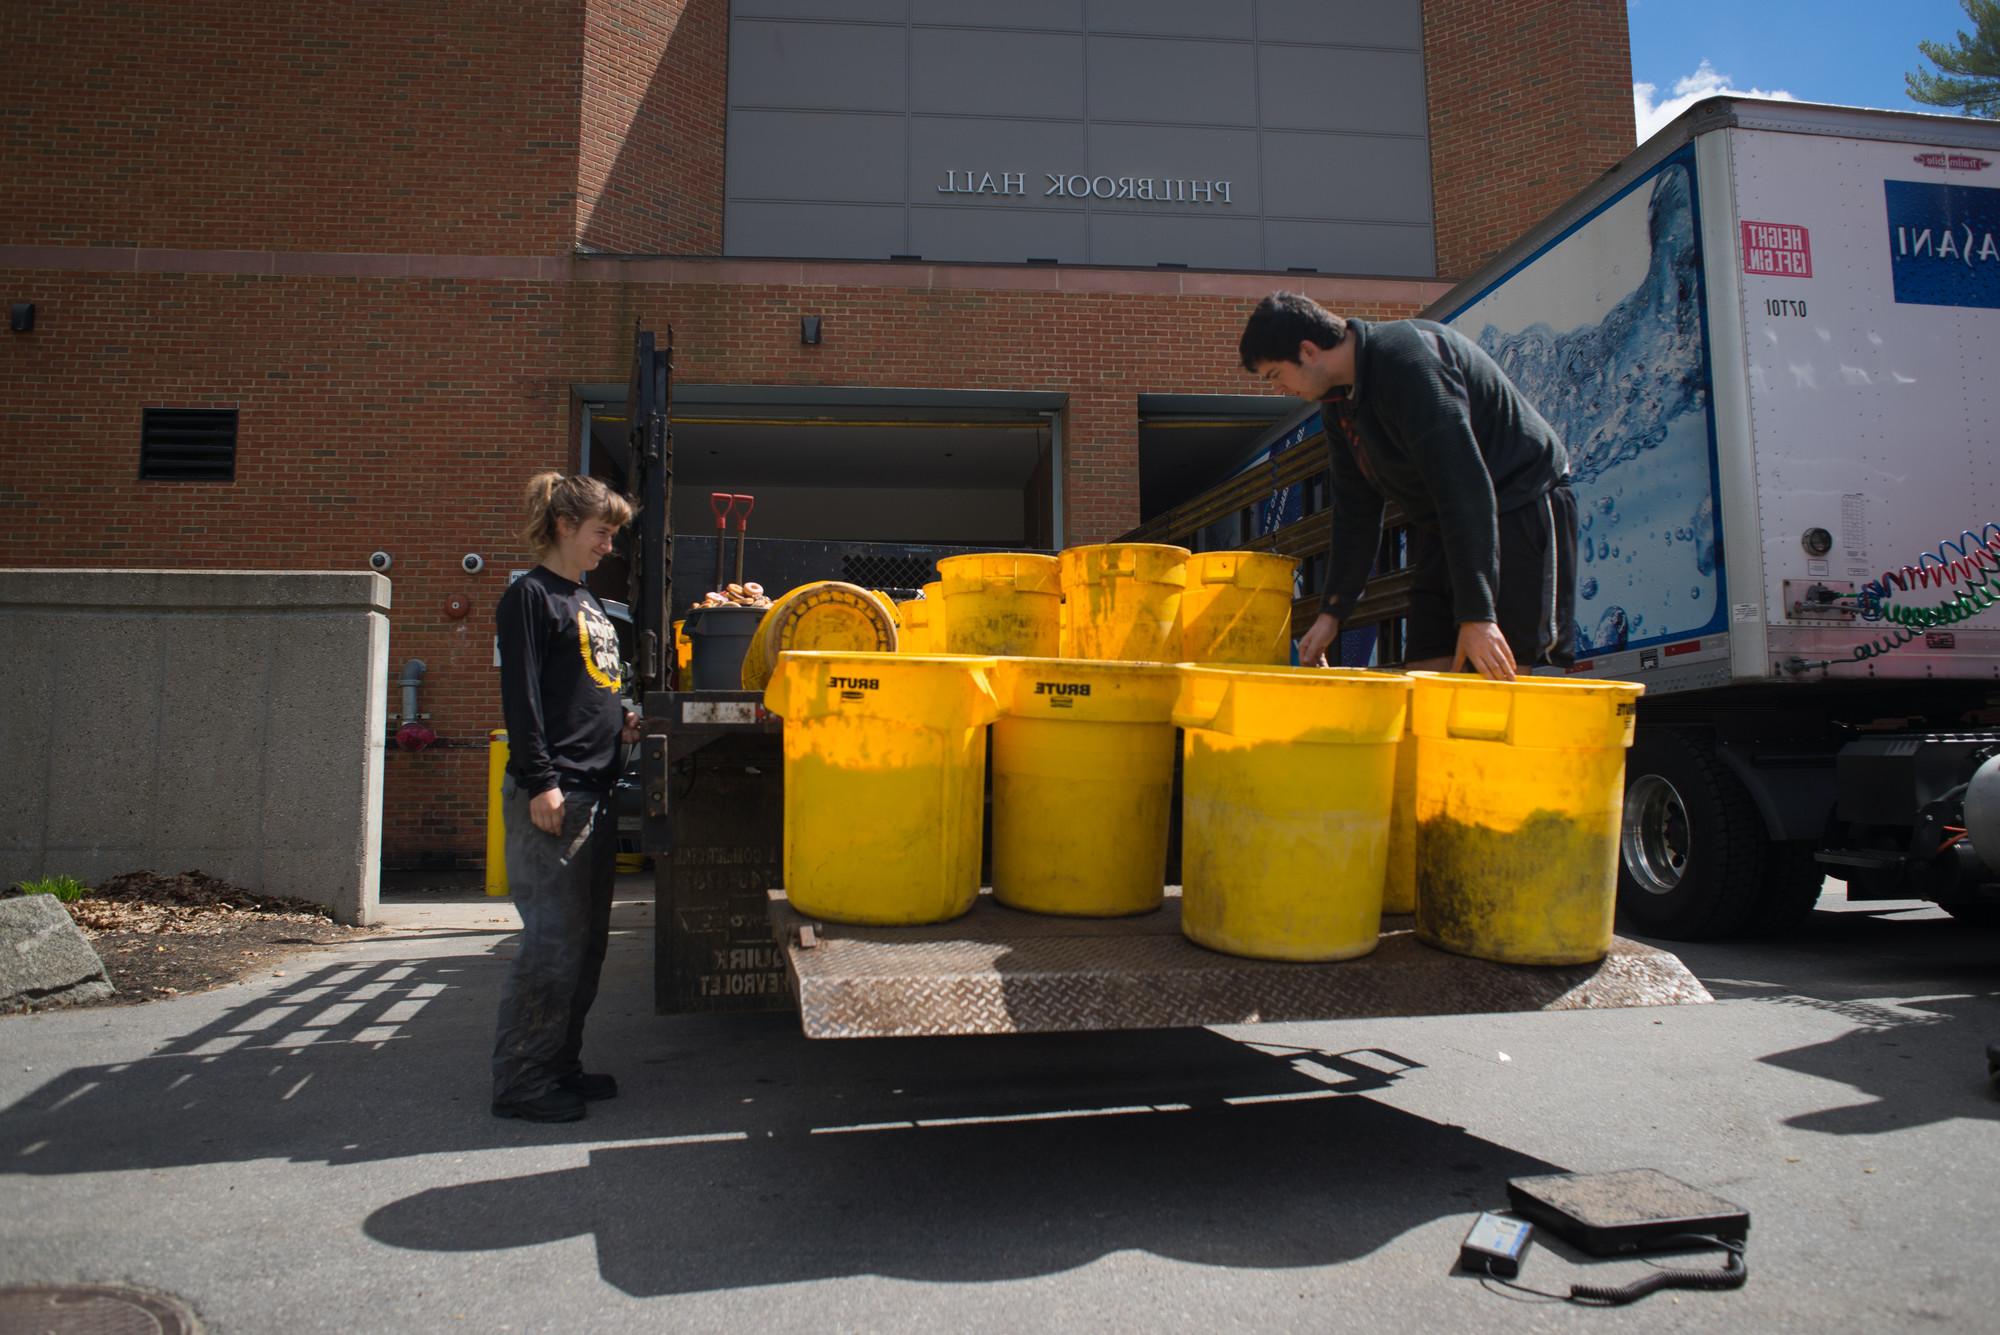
1057	185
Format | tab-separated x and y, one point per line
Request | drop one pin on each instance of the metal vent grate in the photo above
188	445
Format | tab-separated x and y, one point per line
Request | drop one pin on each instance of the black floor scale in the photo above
1634	1210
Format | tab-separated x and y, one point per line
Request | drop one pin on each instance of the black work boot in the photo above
558	1105
591	1085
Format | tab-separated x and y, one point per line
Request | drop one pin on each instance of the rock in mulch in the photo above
44	958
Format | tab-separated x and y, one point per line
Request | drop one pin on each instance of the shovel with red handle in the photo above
748	503
719	504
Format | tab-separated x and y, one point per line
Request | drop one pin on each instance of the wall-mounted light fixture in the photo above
809	329
21	316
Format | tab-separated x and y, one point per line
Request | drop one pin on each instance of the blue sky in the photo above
1847	51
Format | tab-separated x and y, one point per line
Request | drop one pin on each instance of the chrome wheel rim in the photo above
1655	840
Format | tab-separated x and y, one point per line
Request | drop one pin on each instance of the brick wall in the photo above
405	414
1530	101
340	125
649	171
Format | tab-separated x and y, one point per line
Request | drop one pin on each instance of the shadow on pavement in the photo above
1920	991
739	1153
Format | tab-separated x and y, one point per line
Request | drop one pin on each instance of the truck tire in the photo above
1692	856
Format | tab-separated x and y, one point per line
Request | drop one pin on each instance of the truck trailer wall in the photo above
1869	284
1604	330
229	723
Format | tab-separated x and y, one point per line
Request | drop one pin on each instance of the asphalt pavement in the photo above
310	1150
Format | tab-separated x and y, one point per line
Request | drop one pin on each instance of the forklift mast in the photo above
649	399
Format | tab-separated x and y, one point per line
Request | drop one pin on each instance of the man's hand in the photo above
545	809
630	733
1484	649
1314	643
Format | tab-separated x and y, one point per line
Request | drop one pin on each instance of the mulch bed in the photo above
163	936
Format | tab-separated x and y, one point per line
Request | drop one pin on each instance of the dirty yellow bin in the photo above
1285	811
1083	778
1125	601
825	614
1519	793
1399	885
1238	608
913	634
1002	603
885	766
934	595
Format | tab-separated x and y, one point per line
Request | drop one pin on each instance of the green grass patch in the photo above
65	888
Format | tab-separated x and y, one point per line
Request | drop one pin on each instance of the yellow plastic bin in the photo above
683	657
825	614
1238	608
1083	778
913	635
1125	601
934	595
1399	885
885	765
1002	603
1519	795
1285	810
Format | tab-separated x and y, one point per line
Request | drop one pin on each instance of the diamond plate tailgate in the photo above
997	971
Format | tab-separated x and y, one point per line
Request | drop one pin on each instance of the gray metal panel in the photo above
995	971
1155	79
1172	18
1012	14
1003	236
818	231
956	144
1336	247
873	11
1343	22
831	65
988	73
1360	177
1223	155
1204	242
816	155
1318	88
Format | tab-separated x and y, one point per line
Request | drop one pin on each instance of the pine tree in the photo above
1969	71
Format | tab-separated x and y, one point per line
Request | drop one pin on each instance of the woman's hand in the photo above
545	809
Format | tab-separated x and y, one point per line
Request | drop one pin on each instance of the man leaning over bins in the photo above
1418	414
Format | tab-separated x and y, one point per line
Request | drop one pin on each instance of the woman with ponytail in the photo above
560	678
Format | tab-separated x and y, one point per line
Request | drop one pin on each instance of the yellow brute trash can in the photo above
1285	809
913	635
1238	608
1125	601
1002	603
1520	790
885	767
825	614
1083	778
1399	886
496	826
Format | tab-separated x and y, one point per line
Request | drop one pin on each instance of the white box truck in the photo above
1771	340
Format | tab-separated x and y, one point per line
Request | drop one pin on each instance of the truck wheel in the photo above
1691	855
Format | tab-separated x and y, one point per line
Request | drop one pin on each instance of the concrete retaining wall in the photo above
178	720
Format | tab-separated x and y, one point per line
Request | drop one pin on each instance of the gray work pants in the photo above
562	887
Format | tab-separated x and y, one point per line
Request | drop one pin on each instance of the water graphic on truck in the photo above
1608	342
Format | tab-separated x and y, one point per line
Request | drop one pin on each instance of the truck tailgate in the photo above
998	971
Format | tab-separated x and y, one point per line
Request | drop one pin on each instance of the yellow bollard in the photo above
496	825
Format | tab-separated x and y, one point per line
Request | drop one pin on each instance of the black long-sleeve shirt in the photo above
559	683
1433	424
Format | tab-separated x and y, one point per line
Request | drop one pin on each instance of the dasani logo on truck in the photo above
1944	244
